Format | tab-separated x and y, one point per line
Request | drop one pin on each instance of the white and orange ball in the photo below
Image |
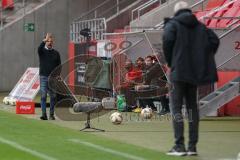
116	118
147	113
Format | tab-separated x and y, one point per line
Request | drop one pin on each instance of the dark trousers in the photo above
180	91
165	103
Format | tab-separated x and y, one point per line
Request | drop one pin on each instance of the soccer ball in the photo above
6	100
12	101
146	113
116	118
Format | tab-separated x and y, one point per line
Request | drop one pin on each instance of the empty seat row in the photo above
222	18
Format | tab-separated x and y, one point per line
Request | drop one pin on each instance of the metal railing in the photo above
4	12
217	9
200	3
105	9
20	9
97	28
196	5
93	12
93	19
227	27
145	6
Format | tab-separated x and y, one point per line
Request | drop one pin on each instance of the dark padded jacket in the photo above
189	48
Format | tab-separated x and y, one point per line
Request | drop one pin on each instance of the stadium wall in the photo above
18	49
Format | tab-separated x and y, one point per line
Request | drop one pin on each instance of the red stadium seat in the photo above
236	4
231	12
200	14
7	4
214	4
213	22
237	21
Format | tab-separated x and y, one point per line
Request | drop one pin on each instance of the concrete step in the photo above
220	97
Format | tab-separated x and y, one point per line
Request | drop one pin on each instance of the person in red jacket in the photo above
133	75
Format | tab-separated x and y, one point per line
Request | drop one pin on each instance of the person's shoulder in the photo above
170	23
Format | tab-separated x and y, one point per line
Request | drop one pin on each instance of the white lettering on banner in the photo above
101	52
25	108
28	85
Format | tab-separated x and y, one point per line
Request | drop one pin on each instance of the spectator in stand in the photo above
155	78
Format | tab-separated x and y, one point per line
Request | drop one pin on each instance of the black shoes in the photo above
180	151
177	151
52	117
44	117
192	152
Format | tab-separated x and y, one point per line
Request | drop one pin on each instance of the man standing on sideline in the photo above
49	59
189	48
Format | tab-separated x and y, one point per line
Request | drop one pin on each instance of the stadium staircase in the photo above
219	97
224	18
17	10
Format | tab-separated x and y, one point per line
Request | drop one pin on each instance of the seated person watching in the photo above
155	76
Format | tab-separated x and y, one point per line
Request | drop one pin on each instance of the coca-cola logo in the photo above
26	107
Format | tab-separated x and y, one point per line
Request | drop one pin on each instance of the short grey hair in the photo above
180	5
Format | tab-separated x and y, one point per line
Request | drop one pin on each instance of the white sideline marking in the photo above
104	149
22	148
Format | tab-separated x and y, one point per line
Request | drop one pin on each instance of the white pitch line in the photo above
101	148
108	150
22	148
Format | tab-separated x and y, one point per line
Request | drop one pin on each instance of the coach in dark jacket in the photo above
189	48
49	60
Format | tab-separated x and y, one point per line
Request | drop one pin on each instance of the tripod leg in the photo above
97	129
88	126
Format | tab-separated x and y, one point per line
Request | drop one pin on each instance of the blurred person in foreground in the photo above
189	48
49	59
